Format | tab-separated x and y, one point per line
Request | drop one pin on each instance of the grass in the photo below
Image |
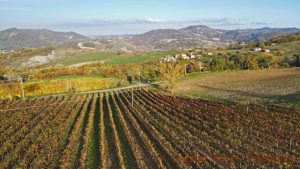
111	58
277	86
86	57
93	153
289	48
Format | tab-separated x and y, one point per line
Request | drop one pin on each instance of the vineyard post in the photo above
139	79
131	96
22	88
185	69
10	98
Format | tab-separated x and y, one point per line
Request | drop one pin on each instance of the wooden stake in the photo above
22	87
132	97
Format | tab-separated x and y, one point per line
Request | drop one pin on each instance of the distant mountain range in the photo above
35	38
160	39
205	36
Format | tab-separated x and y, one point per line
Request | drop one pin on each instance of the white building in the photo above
184	56
177	56
256	49
168	58
266	50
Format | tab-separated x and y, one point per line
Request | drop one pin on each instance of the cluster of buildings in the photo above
256	50
11	78
174	58
6	51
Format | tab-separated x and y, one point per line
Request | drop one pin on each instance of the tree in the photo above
217	64
10	88
150	72
253	63
170	73
133	73
260	45
297	60
236	61
265	61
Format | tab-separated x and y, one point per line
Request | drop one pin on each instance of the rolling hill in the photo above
160	39
35	38
204	36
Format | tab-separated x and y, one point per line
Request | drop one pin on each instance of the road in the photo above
115	89
87	92
101	91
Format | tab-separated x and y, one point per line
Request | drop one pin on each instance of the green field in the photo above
289	48
111	58
281	87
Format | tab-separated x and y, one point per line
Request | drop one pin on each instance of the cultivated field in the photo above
111	58
277	86
104	130
289	48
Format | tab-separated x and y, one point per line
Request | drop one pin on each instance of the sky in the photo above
112	17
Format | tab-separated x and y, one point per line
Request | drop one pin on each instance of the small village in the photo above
184	56
198	54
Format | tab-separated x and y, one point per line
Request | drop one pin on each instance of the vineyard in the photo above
44	87
145	129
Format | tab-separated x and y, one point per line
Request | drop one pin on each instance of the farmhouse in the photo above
184	56
177	56
192	56
168	58
256	49
266	50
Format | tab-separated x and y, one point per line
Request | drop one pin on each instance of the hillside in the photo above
253	35
35	38
289	48
160	39
204	36
275	86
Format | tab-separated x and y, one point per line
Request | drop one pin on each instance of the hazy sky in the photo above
101	17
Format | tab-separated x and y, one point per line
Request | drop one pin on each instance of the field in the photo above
289	48
111	58
104	130
280	86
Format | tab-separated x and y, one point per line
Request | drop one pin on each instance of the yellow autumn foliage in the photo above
36	88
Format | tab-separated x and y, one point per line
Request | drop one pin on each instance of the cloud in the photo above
262	23
156	20
149	20
141	25
105	22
